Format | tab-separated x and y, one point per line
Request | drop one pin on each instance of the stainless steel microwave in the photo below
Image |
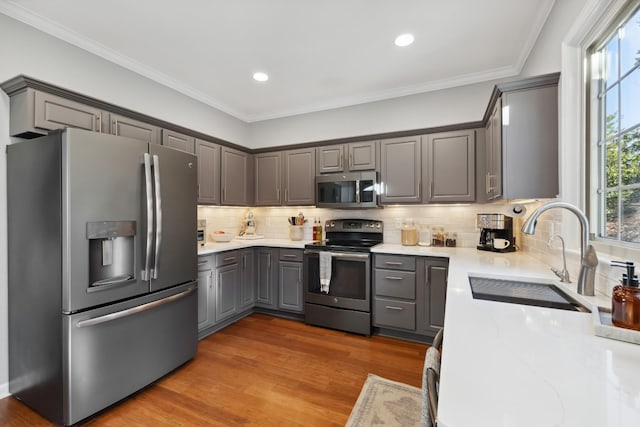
356	190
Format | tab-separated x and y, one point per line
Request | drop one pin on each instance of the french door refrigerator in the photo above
102	269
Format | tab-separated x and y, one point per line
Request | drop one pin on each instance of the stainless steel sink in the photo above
522	292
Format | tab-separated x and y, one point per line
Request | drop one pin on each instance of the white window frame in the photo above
596	180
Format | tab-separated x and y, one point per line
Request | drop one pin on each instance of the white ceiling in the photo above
319	54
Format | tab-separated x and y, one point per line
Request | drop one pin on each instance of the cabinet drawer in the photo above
226	258
205	263
396	314
291	255
398	284
396	262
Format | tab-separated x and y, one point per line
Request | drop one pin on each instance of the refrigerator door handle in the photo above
149	203
133	310
158	197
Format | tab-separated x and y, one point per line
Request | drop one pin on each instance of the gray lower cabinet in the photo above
266	267
205	291
236	177
247	294
179	141
409	293
448	167
34	112
394	283
131	128
431	296
226	286
208	172
400	170
354	156
290	281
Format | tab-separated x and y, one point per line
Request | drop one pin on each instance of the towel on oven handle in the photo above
325	271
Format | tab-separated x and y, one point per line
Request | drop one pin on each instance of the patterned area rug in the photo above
384	402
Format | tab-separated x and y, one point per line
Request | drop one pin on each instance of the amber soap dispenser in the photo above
625	303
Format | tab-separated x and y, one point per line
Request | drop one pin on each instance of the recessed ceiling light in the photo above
260	77
404	40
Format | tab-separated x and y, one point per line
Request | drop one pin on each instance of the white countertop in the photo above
519	366
215	247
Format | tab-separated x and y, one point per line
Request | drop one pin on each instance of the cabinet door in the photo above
449	167
226	284
400	170
178	141
125	126
235	177
290	286
432	294
247	280
493	153
330	158
208	172
362	155
268	173
205	293
299	177
267	277
530	143
54	112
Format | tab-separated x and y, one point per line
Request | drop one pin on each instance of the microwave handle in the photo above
357	191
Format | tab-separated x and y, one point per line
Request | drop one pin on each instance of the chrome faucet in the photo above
588	257
564	274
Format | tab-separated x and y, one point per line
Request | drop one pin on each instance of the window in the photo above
616	63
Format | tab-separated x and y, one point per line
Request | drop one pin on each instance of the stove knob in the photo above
378	225
335	300
333	224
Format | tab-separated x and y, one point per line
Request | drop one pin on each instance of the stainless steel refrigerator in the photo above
102	269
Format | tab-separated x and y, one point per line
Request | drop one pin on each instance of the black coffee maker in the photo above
496	233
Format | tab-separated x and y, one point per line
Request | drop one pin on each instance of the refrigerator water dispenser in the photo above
111	253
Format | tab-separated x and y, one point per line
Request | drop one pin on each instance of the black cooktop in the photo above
354	235
343	245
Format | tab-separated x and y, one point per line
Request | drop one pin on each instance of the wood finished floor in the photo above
263	371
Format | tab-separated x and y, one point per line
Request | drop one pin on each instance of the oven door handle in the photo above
341	255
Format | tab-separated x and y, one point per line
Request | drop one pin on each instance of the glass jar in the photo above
437	235
409	233
450	239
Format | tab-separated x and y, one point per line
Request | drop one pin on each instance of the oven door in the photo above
350	285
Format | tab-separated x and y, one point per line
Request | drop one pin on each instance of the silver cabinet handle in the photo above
98	121
203	263
393	278
289	256
149	202
231	258
350	160
114	127
156	175
131	311
393	263
391	307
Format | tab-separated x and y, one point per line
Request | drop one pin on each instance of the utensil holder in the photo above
295	232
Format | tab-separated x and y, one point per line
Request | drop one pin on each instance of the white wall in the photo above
438	108
28	51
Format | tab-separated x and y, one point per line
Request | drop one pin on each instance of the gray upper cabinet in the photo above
493	153
131	128
208	172
530	143
178	141
354	156
400	170
449	167
268	174
299	177
237	173
33	113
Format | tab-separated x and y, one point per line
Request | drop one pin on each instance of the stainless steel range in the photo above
337	275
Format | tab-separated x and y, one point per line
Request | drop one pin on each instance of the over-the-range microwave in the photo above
355	190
